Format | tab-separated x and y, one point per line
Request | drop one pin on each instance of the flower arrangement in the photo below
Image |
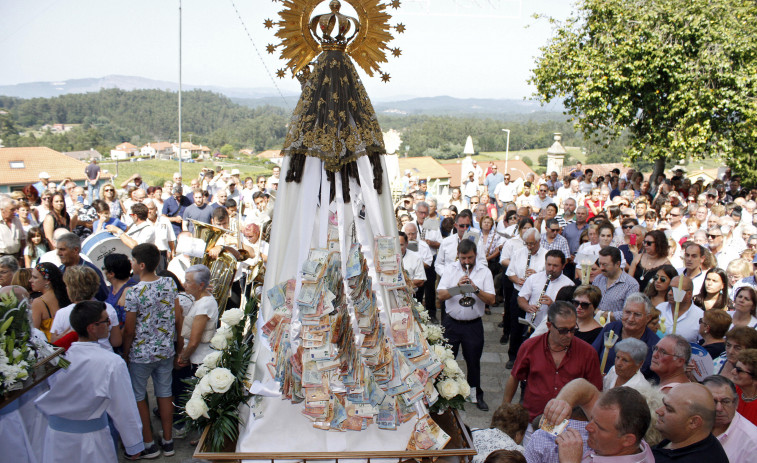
220	384
451	384
19	350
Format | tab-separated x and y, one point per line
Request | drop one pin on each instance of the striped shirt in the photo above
560	243
614	297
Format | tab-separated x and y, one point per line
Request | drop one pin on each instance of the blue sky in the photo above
460	48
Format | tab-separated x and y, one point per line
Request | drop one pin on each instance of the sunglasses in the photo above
627	227
554	229
712	237
740	370
583	304
648	243
564	331
463	225
109	190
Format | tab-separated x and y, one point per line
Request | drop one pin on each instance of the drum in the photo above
99	245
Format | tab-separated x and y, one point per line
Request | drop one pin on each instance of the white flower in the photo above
204	386
202	370
196	407
212	359
433	333
219	342
232	316
451	368
448	388
226	332
220	379
442	353
464	387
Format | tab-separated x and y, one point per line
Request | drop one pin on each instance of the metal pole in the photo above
180	173
507	149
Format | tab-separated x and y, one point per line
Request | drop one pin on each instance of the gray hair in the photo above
719	380
683	348
432	200
9	262
531	232
561	309
6	201
201	273
639	298
635	348
410	224
69	240
421	204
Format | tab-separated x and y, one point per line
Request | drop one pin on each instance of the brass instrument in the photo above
467	300
222	269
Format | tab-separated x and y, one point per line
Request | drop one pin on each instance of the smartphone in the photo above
632	241
80	199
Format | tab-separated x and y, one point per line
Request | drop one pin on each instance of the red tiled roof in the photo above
270	154
35	160
423	167
518	169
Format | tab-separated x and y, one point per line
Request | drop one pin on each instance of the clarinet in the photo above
533	315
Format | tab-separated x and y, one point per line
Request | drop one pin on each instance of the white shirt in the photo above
533	286
637	381
586	188
61	324
520	262
688	322
538	203
470	188
178	266
96	382
425	252
429	234
413	265
725	256
740	440
142	233
679	232
448	253
588	248
506	193
164	233
481	277
698	280
204	306
510	247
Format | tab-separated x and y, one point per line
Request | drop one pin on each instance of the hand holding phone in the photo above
632	240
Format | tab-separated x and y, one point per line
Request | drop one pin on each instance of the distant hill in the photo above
257	97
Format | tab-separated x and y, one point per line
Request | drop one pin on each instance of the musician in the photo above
525	262
412	263
141	230
448	249
227	241
539	290
463	325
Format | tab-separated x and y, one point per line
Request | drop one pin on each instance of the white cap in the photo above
44	175
234	171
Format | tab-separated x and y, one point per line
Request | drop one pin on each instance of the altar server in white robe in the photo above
96	385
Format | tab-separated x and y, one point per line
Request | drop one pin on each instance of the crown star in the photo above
400	28
396	52
385	77
281	73
270	48
395	4
268	23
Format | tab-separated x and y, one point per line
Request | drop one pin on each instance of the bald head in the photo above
687	284
699	402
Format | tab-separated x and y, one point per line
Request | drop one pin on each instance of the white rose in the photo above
196	407
212	359
226	332
433	333
464	387
451	368
232	316
219	342
204	386
202	370
448	388
220	380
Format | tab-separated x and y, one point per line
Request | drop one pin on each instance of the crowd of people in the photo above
629	305
629	309
145	314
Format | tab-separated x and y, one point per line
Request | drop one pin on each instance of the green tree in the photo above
227	150
679	75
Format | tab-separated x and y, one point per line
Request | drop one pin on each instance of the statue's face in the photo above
334	5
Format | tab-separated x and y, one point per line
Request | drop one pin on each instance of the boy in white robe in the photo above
96	385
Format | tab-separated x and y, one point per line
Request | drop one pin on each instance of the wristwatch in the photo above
477	290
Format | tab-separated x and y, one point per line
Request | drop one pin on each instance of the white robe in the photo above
96	382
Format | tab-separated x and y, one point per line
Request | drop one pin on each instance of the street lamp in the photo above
507	149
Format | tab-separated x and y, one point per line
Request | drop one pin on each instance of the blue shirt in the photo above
491	182
172	208
572	233
111	221
202	214
649	338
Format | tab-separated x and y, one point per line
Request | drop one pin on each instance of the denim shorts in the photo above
161	372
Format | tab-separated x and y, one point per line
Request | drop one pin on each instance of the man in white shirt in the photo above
688	313
541	199
463	325
723	254
693	260
678	228
448	250
736	434
165	237
141	231
412	263
274	178
470	188
540	289
505	192
525	262
586	185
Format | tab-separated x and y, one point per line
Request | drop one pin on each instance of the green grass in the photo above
575	153
156	171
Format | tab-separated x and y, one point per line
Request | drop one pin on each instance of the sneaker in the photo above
179	433
168	450
149	453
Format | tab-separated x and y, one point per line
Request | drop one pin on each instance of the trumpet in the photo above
467	300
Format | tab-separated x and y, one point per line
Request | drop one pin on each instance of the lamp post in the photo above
507	148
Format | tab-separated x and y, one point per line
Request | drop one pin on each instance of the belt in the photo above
11	407
465	322
61	424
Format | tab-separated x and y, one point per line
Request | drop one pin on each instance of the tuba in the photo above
223	269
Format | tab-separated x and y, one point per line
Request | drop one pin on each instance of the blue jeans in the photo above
93	191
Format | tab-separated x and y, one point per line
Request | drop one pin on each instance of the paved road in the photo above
493	376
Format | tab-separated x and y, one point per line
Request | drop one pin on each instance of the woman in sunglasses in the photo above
744	376
108	194
657	290
586	298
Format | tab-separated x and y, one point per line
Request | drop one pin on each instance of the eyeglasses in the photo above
724	402
583	304
648	243
554	230
107	320
740	370
564	331
658	350
701	322
463	225
712	237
